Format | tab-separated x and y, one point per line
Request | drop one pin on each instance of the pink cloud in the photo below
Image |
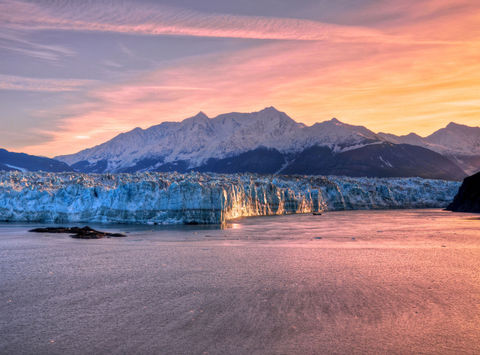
138	18
380	84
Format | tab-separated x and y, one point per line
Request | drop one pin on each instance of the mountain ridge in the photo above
271	142
12	161
460	143
197	141
234	133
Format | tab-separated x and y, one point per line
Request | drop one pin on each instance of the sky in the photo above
75	73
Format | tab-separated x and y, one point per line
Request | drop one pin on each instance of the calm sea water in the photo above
403	281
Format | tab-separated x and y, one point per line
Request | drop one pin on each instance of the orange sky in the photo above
395	68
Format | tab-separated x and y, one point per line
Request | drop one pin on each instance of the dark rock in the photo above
468	196
80	233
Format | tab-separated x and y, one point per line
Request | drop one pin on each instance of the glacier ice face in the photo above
172	198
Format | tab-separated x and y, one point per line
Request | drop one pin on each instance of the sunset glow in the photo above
393	67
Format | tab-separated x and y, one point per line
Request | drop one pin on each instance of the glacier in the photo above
201	198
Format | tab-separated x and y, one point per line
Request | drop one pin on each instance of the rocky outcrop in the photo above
468	196
79	233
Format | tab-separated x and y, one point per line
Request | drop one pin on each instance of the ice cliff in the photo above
172	198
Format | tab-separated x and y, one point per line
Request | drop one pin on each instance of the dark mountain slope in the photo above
25	162
380	160
261	161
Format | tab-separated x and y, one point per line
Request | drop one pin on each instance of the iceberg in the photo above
173	198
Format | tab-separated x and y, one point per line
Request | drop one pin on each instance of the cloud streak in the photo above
139	18
17	41
20	83
362	76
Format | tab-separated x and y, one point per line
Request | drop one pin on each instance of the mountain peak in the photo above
274	116
336	121
201	115
270	109
454	125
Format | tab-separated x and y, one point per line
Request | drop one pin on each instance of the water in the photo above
403	281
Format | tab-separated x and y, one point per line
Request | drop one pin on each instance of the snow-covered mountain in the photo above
269	141
199	138
460	143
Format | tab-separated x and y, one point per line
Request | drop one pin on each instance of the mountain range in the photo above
459	143
270	142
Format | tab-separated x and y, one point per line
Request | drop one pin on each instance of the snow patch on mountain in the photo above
16	168
386	162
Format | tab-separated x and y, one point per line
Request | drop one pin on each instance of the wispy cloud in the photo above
154	19
377	83
18	18
438	21
112	64
20	83
14	40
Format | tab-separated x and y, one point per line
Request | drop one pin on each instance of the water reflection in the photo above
399	226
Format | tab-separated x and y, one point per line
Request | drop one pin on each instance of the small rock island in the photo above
77	232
